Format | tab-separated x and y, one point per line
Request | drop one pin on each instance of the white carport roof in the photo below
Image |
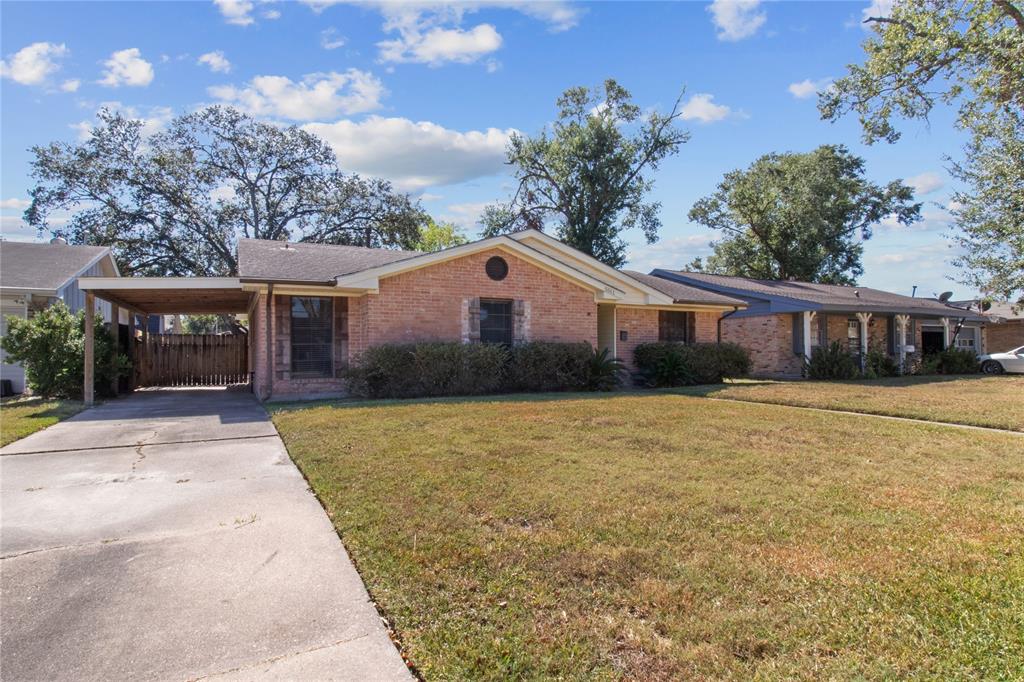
171	295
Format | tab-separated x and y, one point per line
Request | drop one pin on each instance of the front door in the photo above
931	341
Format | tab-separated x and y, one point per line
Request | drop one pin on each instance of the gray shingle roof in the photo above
47	267
828	296
262	259
683	293
997	311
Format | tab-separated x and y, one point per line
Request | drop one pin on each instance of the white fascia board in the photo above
370	279
158	283
549	244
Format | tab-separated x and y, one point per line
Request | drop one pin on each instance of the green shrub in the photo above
879	364
51	347
605	373
540	366
450	369
427	369
949	361
677	364
831	362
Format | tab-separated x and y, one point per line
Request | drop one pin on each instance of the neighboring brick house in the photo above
1005	328
327	304
784	321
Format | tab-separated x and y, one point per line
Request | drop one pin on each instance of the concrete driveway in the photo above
167	535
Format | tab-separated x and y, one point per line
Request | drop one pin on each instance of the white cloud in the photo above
127	67
271	14
877	8
700	108
330	40
154	119
926	183
237	12
673	253
431	32
217	62
32	65
932	220
466	216
317	95
414	155
17	204
14	229
808	88
439	45
736	19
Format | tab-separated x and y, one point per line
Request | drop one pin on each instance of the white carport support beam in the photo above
902	322
945	332
808	317
90	351
864	319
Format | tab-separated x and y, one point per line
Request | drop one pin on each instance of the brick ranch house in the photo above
313	308
783	321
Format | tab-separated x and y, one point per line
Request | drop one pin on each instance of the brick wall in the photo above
431	304
1000	338
769	340
641	326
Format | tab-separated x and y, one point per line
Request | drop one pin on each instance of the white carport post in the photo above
864	319
902	322
808	317
945	332
90	351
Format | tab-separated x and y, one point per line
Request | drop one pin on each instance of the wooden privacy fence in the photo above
193	360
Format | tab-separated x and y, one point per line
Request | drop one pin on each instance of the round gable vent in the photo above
496	268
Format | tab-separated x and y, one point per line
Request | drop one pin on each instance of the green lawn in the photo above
659	536
20	417
975	400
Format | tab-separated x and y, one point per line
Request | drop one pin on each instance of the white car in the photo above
997	363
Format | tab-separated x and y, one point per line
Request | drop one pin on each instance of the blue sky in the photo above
426	94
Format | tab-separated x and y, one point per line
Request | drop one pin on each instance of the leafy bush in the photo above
51	347
540	366
831	362
949	361
449	369
427	369
605	373
879	364
677	364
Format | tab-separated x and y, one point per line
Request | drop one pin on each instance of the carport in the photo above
145	296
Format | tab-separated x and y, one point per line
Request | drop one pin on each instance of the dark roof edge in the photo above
671	275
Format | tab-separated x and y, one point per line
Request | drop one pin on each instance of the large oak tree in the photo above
588	179
799	216
969	55
176	203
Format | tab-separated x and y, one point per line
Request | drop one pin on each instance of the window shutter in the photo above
798	334
474	320
890	335
519	328
691	327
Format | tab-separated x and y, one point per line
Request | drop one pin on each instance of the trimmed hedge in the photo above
452	369
949	361
831	362
678	364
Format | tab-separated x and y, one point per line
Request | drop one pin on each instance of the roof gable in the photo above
31	266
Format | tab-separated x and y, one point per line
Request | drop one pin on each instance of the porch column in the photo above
269	340
945	332
808	317
90	352
864	319
132	355
115	329
902	322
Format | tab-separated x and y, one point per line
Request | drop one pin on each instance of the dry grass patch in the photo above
665	537
974	400
20	417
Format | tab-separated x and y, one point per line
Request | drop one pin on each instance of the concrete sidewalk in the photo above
167	535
